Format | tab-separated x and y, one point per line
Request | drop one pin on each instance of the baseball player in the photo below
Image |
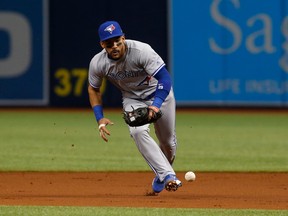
140	73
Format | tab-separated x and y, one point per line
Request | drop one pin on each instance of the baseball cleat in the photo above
172	183
157	185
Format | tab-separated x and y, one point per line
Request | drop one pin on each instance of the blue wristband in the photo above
98	112
157	102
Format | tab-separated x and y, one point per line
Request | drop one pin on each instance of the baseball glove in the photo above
139	116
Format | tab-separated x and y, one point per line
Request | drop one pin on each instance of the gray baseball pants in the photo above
158	156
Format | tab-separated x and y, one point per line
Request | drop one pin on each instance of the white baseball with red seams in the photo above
190	176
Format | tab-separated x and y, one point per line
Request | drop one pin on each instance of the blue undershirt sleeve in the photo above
163	87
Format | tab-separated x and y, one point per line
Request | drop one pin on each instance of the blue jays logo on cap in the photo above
109	30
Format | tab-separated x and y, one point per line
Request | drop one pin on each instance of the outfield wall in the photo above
229	52
219	52
24	52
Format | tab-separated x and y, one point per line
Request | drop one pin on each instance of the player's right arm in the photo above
95	98
95	79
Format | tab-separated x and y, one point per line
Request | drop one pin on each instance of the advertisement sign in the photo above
23	52
229	52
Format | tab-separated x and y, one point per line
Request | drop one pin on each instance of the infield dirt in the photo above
124	189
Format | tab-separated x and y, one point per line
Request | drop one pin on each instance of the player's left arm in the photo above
162	90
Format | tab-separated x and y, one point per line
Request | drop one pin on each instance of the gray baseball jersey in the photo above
133	75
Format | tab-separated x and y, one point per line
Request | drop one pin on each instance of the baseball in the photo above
190	176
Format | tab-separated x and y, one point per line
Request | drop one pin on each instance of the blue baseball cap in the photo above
109	30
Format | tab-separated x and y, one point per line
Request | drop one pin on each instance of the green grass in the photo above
89	211
233	142
43	141
64	141
69	141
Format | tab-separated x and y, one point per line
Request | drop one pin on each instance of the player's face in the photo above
115	47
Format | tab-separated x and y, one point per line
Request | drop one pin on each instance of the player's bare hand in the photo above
102	128
152	111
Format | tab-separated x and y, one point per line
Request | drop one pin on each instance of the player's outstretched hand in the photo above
102	128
